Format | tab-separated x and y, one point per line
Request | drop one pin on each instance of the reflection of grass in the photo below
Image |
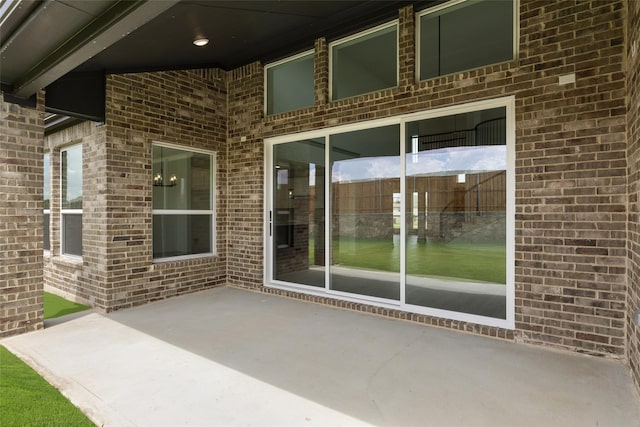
473	261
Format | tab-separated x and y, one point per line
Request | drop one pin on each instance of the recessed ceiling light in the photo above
201	42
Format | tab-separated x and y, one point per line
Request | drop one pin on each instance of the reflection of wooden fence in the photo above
482	192
448	207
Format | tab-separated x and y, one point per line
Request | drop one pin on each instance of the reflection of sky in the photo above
445	161
74	173
47	177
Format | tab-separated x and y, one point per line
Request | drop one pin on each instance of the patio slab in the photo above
231	357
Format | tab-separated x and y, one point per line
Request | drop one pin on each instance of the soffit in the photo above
38	35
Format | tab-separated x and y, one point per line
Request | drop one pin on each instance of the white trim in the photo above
212	212
356	36
403	207
182	212
182	148
446	5
183	257
310	52
508	102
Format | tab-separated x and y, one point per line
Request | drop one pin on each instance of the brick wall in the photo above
245	168
186	108
21	184
79	279
570	166
633	138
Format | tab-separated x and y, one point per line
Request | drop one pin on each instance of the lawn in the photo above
55	306
26	399
483	262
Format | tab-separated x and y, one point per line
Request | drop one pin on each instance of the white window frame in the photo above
64	211
508	322
300	55
211	212
394	23
446	5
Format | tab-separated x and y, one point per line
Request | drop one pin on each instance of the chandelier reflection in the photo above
158	180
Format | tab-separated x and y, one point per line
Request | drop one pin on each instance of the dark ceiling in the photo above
42	41
240	32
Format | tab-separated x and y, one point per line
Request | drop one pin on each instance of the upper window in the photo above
183	202
46	195
364	63
289	84
465	35
71	212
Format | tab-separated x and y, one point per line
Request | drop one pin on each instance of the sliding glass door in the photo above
365	245
415	212
456	254
297	218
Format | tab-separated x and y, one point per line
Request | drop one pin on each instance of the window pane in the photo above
72	178
46	191
176	235
465	36
365	176
182	179
365	64
457	260
298	212
72	234
45	232
290	85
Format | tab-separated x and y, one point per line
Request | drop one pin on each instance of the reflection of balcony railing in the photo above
489	132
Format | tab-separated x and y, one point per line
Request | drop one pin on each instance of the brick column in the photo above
21	187
406	49
633	162
321	72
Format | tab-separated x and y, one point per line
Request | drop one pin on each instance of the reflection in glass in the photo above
365	64
365	176
193	179
45	232
72	178
290	85
465	36
456	258
72	234
46	191
177	235
298	217
46	196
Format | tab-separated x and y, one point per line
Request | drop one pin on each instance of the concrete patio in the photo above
230	357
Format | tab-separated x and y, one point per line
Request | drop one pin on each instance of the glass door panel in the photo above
456	251
298	217
365	181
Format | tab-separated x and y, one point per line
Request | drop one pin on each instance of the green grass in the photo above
469	261
55	306
26	399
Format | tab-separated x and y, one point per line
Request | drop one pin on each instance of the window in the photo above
46	195
364	63
71	212
290	84
414	212
462	253
465	35
183	202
